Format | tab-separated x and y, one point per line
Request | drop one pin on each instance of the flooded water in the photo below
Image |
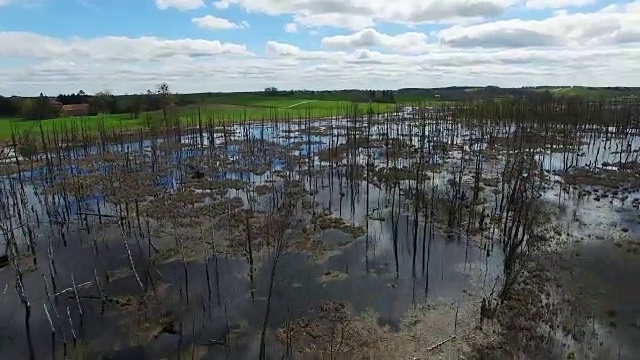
200	302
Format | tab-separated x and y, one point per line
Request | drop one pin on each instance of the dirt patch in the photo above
326	221
632	246
438	329
309	244
601	178
334	155
330	275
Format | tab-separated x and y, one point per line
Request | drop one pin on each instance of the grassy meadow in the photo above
238	108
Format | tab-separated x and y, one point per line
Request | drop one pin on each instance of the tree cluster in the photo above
68	99
103	102
381	96
9	107
39	108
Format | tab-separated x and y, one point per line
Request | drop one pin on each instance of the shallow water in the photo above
299	287
370	278
604	278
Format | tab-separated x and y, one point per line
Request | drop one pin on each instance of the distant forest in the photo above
134	104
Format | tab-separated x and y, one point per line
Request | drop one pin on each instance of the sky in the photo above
129	46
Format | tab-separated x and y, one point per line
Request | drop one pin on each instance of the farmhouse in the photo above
75	110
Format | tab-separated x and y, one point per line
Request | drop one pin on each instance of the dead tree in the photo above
282	226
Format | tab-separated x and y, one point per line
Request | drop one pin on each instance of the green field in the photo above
584	92
236	109
10	126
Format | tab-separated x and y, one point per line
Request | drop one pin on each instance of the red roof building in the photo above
74	110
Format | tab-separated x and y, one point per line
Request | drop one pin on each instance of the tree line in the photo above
102	102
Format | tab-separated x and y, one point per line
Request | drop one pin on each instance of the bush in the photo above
25	143
38	109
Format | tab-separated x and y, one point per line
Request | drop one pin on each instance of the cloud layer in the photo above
217	23
597	48
360	14
182	5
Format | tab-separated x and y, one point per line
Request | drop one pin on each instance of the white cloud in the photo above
181	5
221	5
601	48
275	48
348	21
291	27
508	33
24	45
610	26
217	23
360	14
27	3
287	66
410	42
557	4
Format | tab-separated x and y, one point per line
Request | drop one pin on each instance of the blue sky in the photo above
95	18
133	18
59	45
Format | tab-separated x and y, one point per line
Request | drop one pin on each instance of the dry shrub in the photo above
326	221
601	178
333	332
